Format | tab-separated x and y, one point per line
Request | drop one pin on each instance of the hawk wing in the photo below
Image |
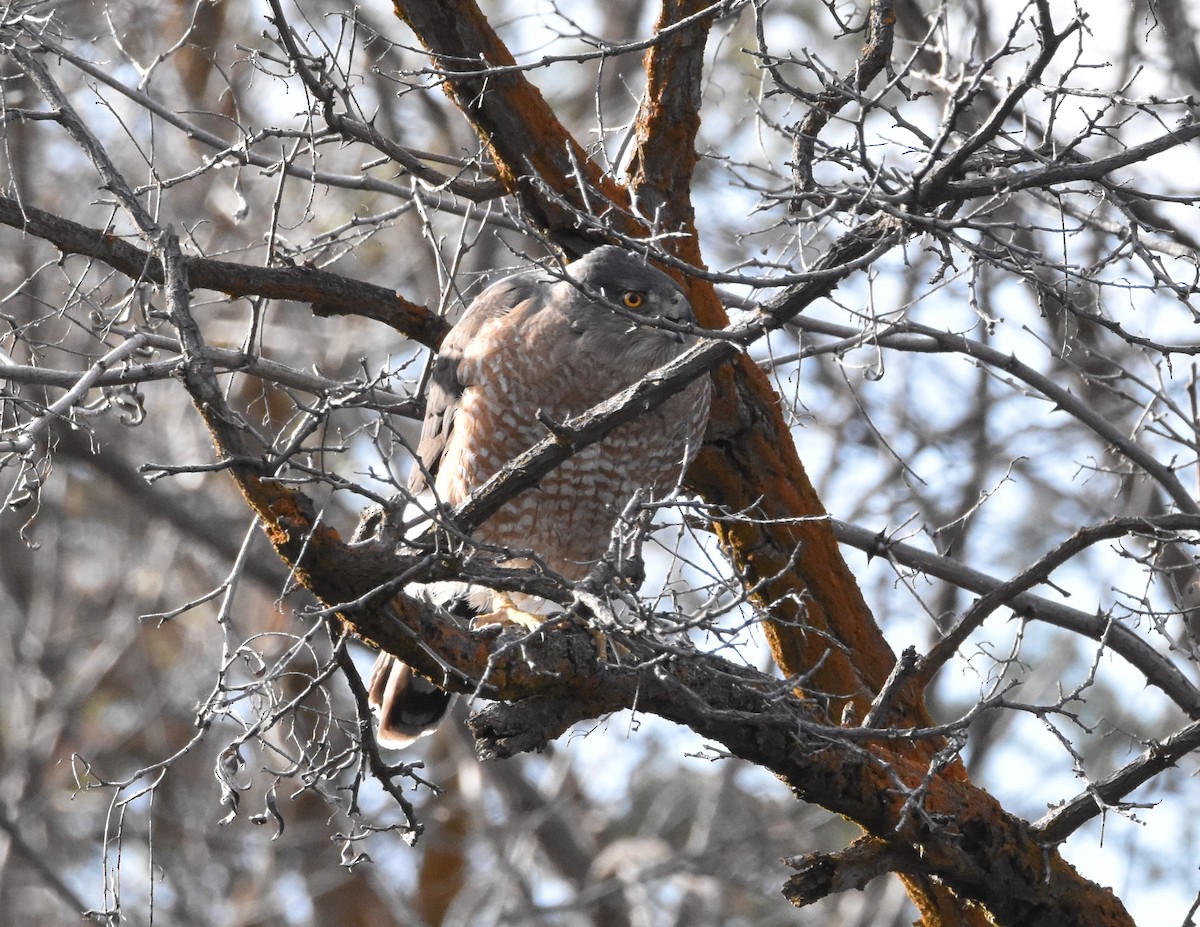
451	377
533	342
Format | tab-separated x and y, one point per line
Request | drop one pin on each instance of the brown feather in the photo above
540	342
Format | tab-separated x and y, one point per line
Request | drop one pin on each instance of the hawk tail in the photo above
407	705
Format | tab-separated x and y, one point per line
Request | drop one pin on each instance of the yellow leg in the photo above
506	612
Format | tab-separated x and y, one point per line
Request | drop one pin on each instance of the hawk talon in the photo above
506	613
600	639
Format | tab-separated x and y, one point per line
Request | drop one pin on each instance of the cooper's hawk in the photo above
559	344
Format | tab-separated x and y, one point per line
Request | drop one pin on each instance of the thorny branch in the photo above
974	187
876	56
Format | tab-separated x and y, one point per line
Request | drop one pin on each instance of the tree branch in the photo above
528	142
1158	670
329	294
1068	817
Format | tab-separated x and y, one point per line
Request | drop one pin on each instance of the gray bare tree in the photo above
945	261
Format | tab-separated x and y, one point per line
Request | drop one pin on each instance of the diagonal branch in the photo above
1077	170
528	142
570	437
328	293
1073	814
347	126
1159	671
876	55
1005	593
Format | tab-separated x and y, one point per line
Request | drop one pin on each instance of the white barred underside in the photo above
542	358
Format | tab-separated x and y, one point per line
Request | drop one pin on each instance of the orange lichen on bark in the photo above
817	621
818	624
668	121
778	536
526	139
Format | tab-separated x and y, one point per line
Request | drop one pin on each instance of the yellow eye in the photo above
633	299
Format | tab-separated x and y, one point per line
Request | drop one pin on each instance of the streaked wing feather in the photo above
450	377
